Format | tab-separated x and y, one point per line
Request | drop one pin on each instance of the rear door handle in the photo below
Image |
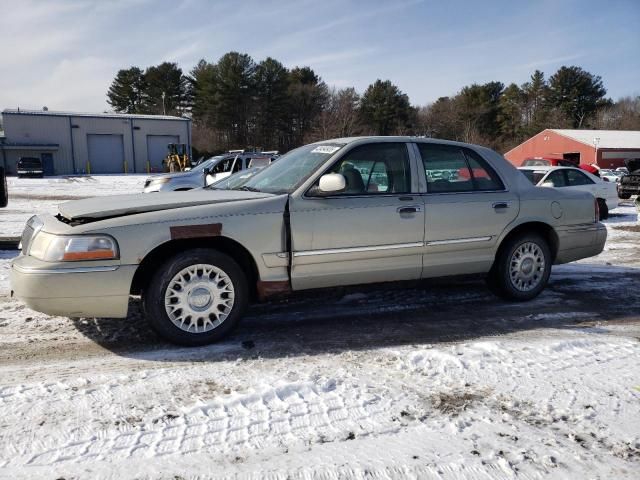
500	205
408	209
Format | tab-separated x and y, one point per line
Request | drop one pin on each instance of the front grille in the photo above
631	180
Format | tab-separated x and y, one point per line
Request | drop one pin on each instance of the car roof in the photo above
378	138
548	168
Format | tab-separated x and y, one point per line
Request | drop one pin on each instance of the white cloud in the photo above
74	84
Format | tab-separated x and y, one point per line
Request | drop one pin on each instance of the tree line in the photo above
237	103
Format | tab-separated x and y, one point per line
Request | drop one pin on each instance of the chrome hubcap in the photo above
527	267
199	298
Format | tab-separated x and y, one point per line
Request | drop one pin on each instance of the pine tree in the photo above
576	93
384	108
165	80
271	84
235	95
126	91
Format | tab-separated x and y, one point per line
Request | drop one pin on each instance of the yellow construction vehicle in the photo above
177	159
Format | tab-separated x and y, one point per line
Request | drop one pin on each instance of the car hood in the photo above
190	173
633	164
120	205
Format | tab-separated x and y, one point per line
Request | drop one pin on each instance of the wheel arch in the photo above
156	257
539	227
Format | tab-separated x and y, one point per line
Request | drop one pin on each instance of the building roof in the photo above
49	113
606	138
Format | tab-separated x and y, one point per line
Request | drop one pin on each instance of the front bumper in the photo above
73	291
32	173
628	189
580	241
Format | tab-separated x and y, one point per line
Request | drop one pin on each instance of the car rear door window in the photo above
379	168
454	169
557	178
576	178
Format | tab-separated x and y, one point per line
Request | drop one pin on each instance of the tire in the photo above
524	284
216	318
603	209
4	191
624	196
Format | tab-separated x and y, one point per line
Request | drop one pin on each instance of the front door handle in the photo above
500	205
408	209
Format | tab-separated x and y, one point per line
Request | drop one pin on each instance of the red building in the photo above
606	148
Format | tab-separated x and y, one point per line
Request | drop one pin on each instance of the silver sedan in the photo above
339	212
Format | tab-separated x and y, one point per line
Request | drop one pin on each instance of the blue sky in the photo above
64	54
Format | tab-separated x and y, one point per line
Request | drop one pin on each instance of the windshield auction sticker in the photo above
325	149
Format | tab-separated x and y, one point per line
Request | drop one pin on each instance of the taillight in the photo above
597	210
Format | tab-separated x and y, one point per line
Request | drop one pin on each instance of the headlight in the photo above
58	248
159	181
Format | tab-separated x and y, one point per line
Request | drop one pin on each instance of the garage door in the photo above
106	153
157	149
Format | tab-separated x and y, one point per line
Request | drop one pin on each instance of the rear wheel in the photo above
603	209
624	196
196	297
522	268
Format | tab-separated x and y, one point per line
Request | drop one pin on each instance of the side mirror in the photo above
548	184
331	183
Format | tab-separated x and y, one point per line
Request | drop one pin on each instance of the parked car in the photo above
547	162
205	173
236	180
569	178
630	182
4	191
610	175
312	219
29	167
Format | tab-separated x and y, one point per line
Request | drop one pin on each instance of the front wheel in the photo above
624	196
522	268
196	297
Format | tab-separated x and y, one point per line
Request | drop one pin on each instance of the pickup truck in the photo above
339	212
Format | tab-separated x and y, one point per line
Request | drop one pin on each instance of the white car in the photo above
575	179
610	175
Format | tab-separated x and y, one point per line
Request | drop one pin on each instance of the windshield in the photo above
285	175
236	180
533	176
207	163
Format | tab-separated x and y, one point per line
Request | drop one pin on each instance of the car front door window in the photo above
380	168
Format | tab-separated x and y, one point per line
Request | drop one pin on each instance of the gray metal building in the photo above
74	143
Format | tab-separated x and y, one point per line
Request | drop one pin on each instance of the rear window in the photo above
30	162
536	162
259	162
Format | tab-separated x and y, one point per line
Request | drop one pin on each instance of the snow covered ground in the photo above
42	195
420	380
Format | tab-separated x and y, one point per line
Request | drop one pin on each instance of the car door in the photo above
467	207
372	232
576	180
